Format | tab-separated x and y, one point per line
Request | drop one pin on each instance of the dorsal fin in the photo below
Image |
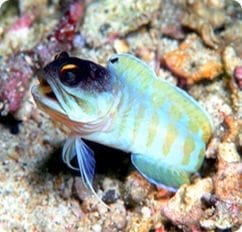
131	69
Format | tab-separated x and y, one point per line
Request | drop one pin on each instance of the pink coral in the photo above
24	21
67	26
238	75
14	82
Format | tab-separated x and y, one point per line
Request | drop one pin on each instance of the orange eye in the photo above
69	66
70	75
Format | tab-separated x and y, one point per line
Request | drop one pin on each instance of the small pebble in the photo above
121	46
80	190
136	189
78	41
146	212
111	190
97	228
110	196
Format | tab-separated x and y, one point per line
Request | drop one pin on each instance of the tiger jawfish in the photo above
125	106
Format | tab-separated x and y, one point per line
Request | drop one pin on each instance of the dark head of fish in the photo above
78	73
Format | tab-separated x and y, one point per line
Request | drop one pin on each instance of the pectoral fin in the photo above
160	173
74	146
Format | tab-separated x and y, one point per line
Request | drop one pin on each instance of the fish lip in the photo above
40	94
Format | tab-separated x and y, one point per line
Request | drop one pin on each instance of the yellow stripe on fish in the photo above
152	129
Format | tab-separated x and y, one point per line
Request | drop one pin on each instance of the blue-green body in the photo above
164	128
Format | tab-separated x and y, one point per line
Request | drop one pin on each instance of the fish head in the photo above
73	88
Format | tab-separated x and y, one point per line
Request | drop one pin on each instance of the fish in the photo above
125	106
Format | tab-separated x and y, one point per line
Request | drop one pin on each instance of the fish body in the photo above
126	106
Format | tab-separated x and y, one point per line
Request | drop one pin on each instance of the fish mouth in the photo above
45	96
47	90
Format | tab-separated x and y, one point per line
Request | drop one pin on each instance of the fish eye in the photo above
70	75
